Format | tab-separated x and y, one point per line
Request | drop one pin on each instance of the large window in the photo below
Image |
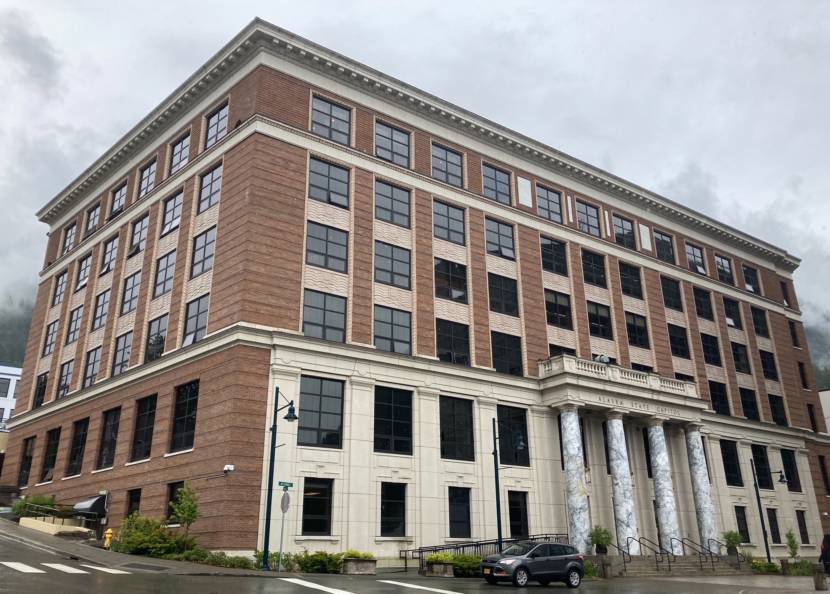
392	509
630	281
517	514
393	420
196	318
793	331
762	469
217	126
759	322
740	521
768	365
327	247
204	246
40	389
184	417
317	503
84	266
118	201
457	441
393	330
73	330
109	438
450	280
123	348
129	296
391	204
75	461
28	453
554	256
507	353
68	238
558	309
723	265
321	412
165	268
138	237
330	120
593	268
791	470
504	294
637	330
624	232
156	337
512	430
109	255
587	218
599	320
774	531
49	338
210	189
328	183
801	520
672	297
751	279
172	213
93	215
50	454
778	410
731	463
711	349
145	419
448	222
703	304
679	341
447	166
732	310
452	342
749	404
719	398
694	255
496	184
741	358
60	288
500	239
179	153
459	507
173	494
93	365
147	179
324	316
392	144
549	203
65	378
392	265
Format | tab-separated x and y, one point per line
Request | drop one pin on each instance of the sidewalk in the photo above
754	583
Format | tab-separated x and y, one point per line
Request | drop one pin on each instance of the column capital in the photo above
693	426
361	381
657	421
615	413
569	406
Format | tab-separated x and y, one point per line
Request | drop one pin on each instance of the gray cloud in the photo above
28	51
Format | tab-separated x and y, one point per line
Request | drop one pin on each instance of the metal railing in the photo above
720	545
660	554
626	556
703	553
60	513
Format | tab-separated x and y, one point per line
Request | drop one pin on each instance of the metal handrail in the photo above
701	551
658	550
720	546
626	556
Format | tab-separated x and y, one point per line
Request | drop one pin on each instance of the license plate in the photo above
486	571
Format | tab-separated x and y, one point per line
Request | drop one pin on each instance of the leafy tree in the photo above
792	544
185	508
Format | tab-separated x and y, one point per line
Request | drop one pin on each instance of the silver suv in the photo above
544	562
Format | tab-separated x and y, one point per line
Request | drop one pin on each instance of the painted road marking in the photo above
106	569
64	568
21	567
300	582
415	587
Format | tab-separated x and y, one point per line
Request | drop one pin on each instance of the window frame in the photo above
558	310
677	349
330	438
131	289
331	193
493	182
143	427
165	271
723	267
696	258
498	241
601	328
447	341
450	280
179	153
628	285
323	489
204	252
392	510
324	326
593	269
448	173
216	124
637	330
398	158
446	231
392	264
626	238
147	178
322	247
121	353
196	319
586	221
184	417
210	188
708	354
328	130
503	293
457	428
500	342
672	293
396	318
547	206
554	257
392	213
393	411
108	442
515	418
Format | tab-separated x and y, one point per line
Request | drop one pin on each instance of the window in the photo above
500	239
173	494
452	342
664	246
392	265
741	358
450	280
179	153
77	447
703	304
74	328
630	280
327	247
740	521
133	502
93	364
123	348
50	454
321	412
637	330
811	414
65	378
599	320
184	417
517	513
204	246
447	166
624	232
102	306
40	389
791	470
759	322
392	144
392	509
711	349
145	418
801	520
549	203
768	365
459	506
393	420
643	368
68	238
393	330
93	216
793	333
593	268
587	217
496	184
324	316
448	222
83	272
165	267
109	255
558	309
512	431
504	294
751	279
679	341
785	293
210	190
749	404
772	520
118	200
694	255
60	288
156	337
196	318
554	256
507	353
328	183
330	120
732	309
825	479
49	338
672	297
457	441
217	126
762	470
778	410
724	268
172	214
391	204
731	463
109	438
719	398
646	448
26	461
129	297
147	179
138	239
317	496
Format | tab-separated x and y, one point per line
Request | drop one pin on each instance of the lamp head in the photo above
291	415
782	478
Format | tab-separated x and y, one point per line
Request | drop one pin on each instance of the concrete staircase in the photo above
644	566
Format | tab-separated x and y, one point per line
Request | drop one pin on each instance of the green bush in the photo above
760	566
601	536
355	554
466	565
19	506
439	558
591	569
319	562
802	567
195	555
147	536
792	544
231	561
732	538
288	563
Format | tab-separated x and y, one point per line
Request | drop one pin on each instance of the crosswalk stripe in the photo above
64	568
300	582
415	587
21	567
106	569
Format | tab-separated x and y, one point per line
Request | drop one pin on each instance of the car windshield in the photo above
518	549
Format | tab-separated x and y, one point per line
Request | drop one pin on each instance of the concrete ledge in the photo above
71	527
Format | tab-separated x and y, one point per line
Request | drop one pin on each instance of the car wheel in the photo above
521	577
544	582
489	579
574	579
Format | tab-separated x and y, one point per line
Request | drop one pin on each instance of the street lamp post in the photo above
290	416
781	479
519	446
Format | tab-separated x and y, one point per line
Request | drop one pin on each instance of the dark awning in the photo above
94	505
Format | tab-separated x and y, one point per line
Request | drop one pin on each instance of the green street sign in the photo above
285	484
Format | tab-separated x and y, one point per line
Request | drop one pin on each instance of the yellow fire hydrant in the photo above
108	538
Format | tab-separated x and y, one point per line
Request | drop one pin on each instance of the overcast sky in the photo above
722	106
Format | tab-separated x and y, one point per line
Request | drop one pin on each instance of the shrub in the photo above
601	536
760	566
792	544
19	506
185	508
355	554
274	560
319	562
439	558
591	569
225	560
802	567
195	555
146	536
466	565
732	539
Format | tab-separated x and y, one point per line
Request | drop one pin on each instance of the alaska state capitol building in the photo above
406	271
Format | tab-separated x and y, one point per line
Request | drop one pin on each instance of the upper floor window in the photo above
50	454
785	293
210	189
102	306
637	330
73	329
593	268
68	238
751	281
457	441
624	232
711	349
678	341
452	342
183	431
448	222
179	153
393	330
504	294
109	438
791	472
328	183
514	446
762	468
217	126
732	310
392	144
447	166
450	280
321	412
145	419
123	349
500	239
778	410
393	420
26	458
703	304
587	217
507	353
64	378
118	200
327	247
391	204
204	246
392	265
749	404
50	338
672	297
558	309
549	203
196	319
165	268
719	398
129	298
156	337
741	358
60	287
664	246
84	266
324	316
93	366
147	179
138	239
793	331
599	320
554	256
768	365
330	120
40	389
731	463
694	255
724	268
630	280
496	184
172	213
93	216
109	255
77	446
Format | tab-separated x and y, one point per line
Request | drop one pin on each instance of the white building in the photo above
9	376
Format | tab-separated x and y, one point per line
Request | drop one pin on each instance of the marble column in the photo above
701	489
579	518
623	492
663	488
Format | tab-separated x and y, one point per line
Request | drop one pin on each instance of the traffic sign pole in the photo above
286	500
